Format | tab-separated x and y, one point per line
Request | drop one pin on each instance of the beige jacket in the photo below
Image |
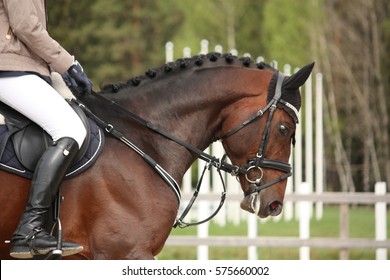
25	44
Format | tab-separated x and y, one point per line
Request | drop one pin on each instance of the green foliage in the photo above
286	31
117	39
202	21
231	24
249	24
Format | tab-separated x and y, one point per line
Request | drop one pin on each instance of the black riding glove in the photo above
76	75
71	83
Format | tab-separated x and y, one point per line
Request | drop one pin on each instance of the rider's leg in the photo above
30	237
38	101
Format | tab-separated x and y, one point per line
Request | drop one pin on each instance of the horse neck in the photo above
190	107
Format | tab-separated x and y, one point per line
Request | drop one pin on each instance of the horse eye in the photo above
283	129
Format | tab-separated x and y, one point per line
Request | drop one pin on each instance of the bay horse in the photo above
121	208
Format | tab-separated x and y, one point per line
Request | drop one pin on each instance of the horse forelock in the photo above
182	64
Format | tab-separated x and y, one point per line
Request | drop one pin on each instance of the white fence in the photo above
304	190
304	242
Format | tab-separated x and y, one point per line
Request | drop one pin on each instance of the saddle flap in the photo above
30	140
13	119
29	144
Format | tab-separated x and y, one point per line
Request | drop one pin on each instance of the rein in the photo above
259	162
180	223
220	164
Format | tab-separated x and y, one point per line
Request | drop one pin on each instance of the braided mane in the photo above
185	63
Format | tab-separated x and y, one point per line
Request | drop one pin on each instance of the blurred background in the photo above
348	39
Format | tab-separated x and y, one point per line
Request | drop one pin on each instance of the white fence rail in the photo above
304	242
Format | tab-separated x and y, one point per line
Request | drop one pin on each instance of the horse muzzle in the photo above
256	203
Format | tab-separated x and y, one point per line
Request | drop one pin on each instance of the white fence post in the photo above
204	46
234	52
168	52
319	136
260	59
203	211
380	220
274	64
252	233
304	220
218	49
288	208
186	52
297	166
309	136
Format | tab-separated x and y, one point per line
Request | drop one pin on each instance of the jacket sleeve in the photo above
26	23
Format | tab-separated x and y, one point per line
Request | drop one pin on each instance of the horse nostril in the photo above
275	207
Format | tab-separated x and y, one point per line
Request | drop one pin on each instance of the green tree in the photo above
114	39
231	24
249	28
286	31
65	20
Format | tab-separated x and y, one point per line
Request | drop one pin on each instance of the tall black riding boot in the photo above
30	237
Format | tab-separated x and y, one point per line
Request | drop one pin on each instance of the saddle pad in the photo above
9	162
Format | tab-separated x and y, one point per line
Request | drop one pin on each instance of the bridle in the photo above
259	162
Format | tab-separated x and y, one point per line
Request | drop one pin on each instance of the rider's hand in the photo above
77	74
70	82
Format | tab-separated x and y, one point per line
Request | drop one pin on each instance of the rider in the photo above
27	56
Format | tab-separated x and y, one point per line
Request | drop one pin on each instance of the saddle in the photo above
22	143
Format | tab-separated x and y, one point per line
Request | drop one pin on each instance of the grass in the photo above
361	225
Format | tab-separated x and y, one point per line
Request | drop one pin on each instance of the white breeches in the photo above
37	100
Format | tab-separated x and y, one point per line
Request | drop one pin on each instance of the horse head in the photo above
267	136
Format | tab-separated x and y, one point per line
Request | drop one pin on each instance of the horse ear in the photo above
299	78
